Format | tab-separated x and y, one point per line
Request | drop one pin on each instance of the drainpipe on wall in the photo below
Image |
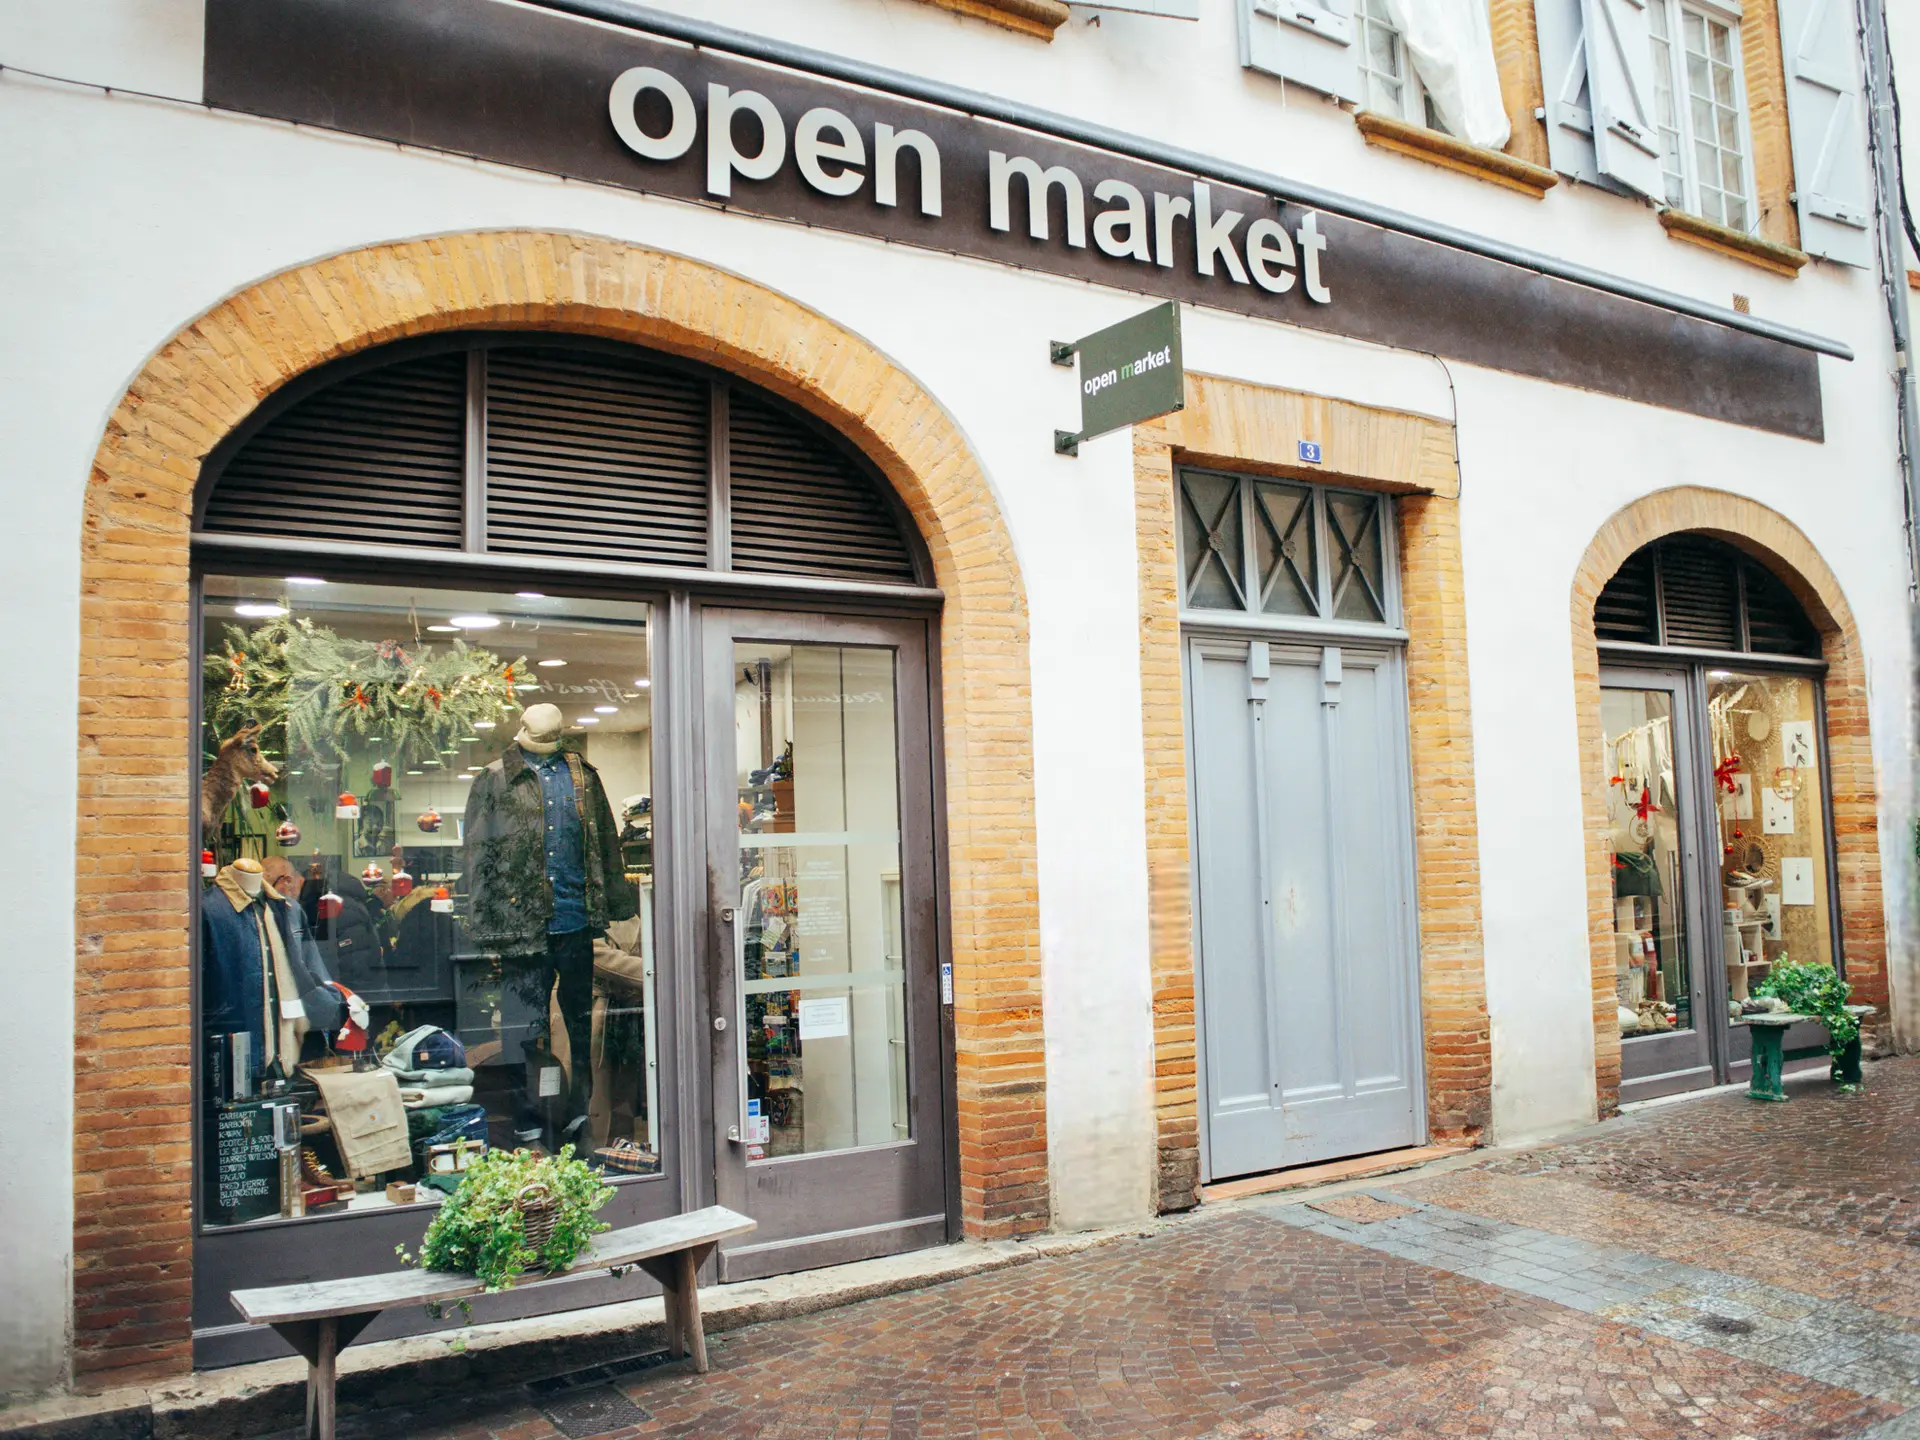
1895	225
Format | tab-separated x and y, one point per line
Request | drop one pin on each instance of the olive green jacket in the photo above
509	898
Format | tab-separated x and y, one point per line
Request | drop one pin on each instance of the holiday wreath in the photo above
315	692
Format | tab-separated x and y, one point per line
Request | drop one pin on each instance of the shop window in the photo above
1701	109
1694	592
366	761
1284	548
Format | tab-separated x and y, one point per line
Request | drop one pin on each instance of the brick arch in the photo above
1779	544
133	1021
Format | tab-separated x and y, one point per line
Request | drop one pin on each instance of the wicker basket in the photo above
538	1210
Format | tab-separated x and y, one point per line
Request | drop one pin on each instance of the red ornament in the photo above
288	834
442	901
1644	806
382	774
402	884
207	868
259	796
373	874
1723	774
330	906
429	820
347	807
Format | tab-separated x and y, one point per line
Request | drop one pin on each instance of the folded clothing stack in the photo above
431	1068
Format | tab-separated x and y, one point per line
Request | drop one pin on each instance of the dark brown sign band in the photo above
529	87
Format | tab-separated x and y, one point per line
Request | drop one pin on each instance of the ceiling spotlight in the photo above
589	720
474	622
643	682
549	664
416	772
469	739
531	594
444	629
483	725
305	580
606	709
259	609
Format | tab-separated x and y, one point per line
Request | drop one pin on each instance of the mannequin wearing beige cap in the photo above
544	877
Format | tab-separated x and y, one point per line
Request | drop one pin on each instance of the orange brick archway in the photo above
1778	544
133	1023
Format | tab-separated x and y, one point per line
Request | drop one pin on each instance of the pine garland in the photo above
316	694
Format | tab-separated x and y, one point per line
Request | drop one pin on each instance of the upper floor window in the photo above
1702	107
1392	84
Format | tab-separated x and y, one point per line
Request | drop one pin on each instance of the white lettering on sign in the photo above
832	157
1153	360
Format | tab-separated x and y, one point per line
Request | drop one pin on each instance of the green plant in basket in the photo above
1814	990
515	1211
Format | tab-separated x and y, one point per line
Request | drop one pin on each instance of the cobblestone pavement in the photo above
1701	1269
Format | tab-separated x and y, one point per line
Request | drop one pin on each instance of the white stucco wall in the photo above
127	217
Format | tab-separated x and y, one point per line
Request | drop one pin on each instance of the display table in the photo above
1769	1031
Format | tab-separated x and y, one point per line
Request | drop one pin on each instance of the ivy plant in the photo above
1815	990
478	1231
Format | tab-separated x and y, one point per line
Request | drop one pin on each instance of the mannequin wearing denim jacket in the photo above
238	988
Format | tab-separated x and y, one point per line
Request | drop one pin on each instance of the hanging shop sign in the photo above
1128	373
535	88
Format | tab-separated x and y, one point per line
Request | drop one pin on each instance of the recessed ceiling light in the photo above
589	720
550	664
259	609
444	629
296	772
643	682
416	772
530	594
431	764
305	580
483	724
526	685
474	622
467	778
1721	674
450	752
606	709
469	739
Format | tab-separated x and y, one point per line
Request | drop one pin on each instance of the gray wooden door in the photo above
1302	830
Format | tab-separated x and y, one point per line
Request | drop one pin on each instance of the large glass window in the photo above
1772	824
1645	792
818	931
426	926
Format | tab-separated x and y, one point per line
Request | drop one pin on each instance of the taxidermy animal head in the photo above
238	763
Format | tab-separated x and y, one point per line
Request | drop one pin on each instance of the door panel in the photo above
1306	943
828	1117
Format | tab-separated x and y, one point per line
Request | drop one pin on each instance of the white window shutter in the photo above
1563	66
1833	188
1310	42
1626	132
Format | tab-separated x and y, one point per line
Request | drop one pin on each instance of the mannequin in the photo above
544	877
261	972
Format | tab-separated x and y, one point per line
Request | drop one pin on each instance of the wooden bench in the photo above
322	1318
1769	1035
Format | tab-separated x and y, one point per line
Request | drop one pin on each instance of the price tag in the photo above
292	1009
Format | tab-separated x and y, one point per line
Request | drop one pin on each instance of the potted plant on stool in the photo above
515	1211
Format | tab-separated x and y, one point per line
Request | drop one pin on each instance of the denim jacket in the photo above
509	897
233	971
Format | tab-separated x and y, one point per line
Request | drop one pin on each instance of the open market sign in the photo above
1129	372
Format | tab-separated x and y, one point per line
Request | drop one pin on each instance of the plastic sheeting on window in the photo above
1450	43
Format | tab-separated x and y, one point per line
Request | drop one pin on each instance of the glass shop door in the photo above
1653	843
822	981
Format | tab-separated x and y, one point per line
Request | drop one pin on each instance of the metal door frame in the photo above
713	995
1389	644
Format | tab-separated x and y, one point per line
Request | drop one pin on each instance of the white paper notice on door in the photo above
823	1019
1796	881
1776	812
1796	744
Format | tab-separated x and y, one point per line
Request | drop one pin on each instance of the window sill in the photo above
1039	18
1722	239
1443	150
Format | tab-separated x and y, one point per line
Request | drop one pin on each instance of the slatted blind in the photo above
377	457
1704	595
800	507
593	454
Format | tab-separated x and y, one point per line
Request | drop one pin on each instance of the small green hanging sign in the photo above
1129	372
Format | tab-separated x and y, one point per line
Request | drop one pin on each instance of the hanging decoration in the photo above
1724	772
288	834
429	820
316	694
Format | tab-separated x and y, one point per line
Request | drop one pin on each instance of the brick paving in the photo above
1647	1280
1835	1164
